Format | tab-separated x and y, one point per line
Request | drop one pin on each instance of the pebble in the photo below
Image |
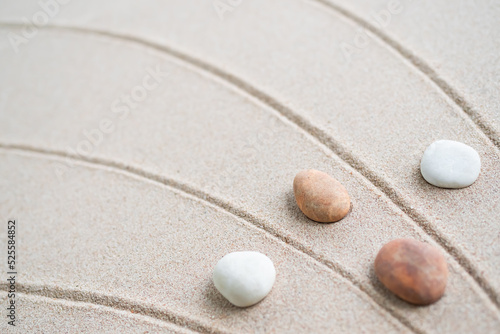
320	197
244	278
414	271
450	164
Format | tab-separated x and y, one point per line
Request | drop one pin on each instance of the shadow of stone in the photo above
218	305
213	298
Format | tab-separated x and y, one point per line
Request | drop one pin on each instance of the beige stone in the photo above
320	197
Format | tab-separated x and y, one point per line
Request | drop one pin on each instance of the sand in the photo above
141	142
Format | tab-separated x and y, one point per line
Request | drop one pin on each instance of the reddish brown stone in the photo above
414	271
320	197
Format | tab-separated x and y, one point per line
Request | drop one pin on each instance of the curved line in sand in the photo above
113	302
321	136
421	66
211	201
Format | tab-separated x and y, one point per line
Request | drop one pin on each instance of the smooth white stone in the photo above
244	278
450	164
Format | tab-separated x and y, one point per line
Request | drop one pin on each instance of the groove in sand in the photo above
113	302
420	65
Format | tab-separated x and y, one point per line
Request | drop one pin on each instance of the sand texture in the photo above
124	208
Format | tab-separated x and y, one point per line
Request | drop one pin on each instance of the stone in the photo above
414	271
244	278
450	164
320	197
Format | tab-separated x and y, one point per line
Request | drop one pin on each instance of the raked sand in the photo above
142	141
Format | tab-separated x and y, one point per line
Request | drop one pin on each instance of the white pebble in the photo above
244	278
450	164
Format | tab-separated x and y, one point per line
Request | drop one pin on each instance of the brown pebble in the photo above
414	271
320	197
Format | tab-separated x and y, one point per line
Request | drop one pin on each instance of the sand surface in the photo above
142	141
